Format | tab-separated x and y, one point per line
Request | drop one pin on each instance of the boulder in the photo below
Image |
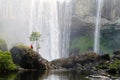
17	54
29	59
116	54
104	57
77	61
100	77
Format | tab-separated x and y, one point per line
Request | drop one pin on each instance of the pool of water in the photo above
46	75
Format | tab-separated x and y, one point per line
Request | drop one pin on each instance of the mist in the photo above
14	21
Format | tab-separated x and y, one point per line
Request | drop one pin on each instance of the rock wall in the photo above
110	10
84	15
84	19
84	7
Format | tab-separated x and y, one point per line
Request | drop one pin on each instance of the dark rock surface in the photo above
117	52
89	61
78	61
84	26
29	59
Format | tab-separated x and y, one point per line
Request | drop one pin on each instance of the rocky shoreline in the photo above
90	61
102	65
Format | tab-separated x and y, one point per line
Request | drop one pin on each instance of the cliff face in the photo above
84	15
83	25
84	7
110	10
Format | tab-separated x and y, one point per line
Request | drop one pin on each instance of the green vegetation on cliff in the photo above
110	36
81	45
115	65
109	40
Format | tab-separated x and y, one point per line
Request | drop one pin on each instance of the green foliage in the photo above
34	36
115	65
82	44
6	63
102	67
110	37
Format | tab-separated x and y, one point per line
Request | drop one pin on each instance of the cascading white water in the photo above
64	16
52	19
97	27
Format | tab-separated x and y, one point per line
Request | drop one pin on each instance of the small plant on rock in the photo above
34	37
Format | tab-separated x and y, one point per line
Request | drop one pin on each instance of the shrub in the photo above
6	63
115	65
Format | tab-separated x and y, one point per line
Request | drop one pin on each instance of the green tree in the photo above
34	37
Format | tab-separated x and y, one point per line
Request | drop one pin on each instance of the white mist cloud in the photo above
14	21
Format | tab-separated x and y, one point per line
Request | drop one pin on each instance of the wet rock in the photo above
104	57
116	54
112	71
88	61
17	54
85	61
99	77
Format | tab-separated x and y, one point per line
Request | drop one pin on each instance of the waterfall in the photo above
97	27
52	19
64	16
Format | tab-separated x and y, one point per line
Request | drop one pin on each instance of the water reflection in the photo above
45	75
29	75
66	75
7	76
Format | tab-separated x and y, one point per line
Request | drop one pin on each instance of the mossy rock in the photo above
28	58
115	65
116	54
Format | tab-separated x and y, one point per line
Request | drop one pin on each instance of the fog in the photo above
14	21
